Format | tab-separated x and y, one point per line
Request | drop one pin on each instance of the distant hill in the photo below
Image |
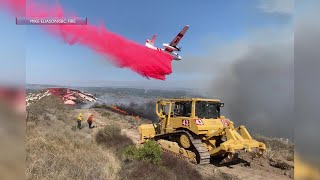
141	92
41	86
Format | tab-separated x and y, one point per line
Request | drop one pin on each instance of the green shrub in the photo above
149	152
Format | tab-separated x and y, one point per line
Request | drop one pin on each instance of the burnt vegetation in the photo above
146	110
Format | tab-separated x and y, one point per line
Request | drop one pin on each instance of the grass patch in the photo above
170	168
106	114
148	152
54	151
139	170
110	137
47	108
185	169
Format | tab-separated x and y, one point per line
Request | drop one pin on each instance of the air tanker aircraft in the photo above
169	48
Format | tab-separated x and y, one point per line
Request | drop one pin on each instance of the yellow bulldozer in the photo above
194	129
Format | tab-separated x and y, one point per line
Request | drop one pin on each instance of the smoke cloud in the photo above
123	52
254	76
132	104
258	90
307	85
144	110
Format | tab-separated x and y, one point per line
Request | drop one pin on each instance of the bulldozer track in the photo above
202	153
178	156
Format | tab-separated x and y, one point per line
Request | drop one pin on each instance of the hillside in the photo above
68	96
56	149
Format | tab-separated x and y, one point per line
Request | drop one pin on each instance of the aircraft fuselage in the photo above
173	54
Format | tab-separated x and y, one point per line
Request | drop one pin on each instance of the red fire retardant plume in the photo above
122	52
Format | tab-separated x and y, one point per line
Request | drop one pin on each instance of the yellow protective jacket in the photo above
79	117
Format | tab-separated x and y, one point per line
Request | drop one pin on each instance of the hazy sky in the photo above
213	24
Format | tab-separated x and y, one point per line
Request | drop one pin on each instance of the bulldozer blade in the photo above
257	153
230	157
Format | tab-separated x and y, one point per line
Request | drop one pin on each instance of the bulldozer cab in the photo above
207	109
183	109
178	113
174	109
200	108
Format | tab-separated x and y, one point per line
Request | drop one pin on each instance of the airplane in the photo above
169	48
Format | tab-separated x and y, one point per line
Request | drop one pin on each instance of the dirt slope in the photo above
251	173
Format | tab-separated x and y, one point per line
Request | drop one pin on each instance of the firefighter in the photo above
79	120
90	120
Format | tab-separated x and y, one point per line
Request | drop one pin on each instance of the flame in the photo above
119	110
115	108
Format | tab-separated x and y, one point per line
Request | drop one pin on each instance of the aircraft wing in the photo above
177	39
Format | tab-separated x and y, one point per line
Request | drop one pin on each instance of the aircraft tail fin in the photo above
153	39
151	42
